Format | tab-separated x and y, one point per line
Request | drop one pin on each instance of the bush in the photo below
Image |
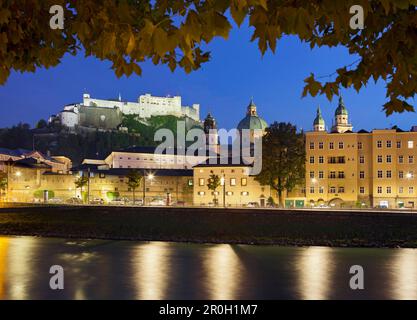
112	195
39	194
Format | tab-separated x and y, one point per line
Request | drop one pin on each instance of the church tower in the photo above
341	119
212	136
319	124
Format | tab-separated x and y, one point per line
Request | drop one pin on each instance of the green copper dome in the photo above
252	121
341	109
319	118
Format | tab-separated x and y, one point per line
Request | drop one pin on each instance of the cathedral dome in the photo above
341	109
252	121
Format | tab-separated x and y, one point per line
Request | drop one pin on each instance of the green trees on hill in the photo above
89	143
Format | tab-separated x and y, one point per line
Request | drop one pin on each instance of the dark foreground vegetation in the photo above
205	225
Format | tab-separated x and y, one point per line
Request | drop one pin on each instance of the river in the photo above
97	269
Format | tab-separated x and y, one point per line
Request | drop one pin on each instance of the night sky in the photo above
223	86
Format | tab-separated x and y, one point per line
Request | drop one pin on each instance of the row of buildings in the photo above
343	168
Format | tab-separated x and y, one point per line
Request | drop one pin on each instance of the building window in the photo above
312	160
229	193
341	189
332	175
245	193
389	143
362	175
379	144
311	189
410	159
201	182
389	159
232	182
190	182
379	159
201	193
321	145
321	159
379	190
331	145
362	159
321	175
410	144
311	174
389	190
380	174
401	190
401	174
400	159
102	175
410	190
311	145
389	174
244	182
362	190
341	175
332	190
360	145
341	145
398	144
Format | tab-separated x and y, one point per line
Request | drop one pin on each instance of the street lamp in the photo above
18	174
150	177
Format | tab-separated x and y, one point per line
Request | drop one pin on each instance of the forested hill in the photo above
88	142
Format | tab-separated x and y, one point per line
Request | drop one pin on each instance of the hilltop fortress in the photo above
108	114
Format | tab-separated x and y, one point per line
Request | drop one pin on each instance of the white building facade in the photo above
146	107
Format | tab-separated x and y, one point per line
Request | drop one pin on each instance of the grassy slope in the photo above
215	225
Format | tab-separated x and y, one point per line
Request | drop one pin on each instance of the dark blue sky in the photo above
223	86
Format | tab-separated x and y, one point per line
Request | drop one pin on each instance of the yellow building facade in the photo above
29	184
238	188
360	169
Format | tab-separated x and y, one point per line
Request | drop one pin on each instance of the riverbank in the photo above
212	225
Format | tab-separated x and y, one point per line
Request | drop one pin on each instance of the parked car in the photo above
120	201
137	202
323	206
55	201
74	200
97	201
252	205
158	202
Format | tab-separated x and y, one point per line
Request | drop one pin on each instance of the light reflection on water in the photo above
151	265
156	270
404	275
224	272
315	268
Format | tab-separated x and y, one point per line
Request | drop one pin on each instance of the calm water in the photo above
137	270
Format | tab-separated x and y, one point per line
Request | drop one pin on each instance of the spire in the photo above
252	108
319	121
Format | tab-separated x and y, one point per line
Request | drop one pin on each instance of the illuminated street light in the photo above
18	174
314	180
151	176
